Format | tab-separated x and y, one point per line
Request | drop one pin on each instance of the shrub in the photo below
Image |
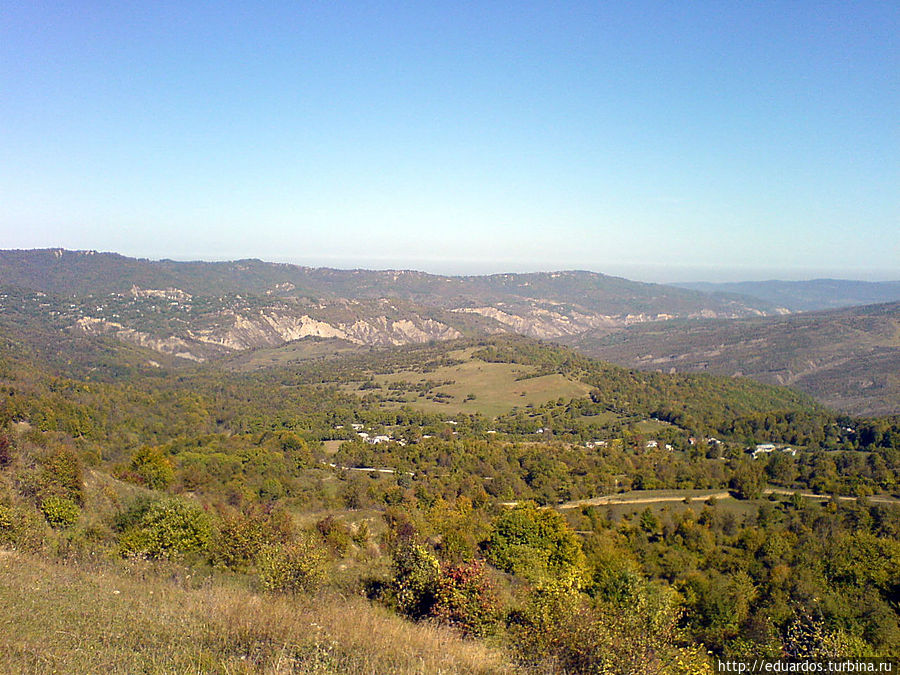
415	578
166	528
60	512
336	533
296	448
131	516
293	567
808	637
465	598
20	528
62	475
615	575
242	535
362	533
580	636
152	468
7	451
271	490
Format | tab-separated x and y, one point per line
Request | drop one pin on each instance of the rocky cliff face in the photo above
272	328
542	323
203	310
228	331
171	345
172	321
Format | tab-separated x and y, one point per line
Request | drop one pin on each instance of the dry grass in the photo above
100	618
496	386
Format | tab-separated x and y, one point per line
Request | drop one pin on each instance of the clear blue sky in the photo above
717	140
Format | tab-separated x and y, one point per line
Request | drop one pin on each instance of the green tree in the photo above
538	545
748	479
166	528
152	467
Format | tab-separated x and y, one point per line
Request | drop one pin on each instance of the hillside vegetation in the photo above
252	314
82	273
849	359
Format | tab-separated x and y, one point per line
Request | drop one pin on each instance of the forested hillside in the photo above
249	314
849	359
81	273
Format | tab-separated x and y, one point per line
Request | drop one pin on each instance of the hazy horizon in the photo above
647	273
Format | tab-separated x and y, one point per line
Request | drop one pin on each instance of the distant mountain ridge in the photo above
807	296
83	273
201	310
192	312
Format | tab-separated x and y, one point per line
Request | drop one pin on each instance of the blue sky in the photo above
660	141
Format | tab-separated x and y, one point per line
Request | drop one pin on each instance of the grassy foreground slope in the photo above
95	618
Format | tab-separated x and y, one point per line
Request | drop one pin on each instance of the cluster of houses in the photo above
590	445
766	448
368	438
384	438
760	450
655	444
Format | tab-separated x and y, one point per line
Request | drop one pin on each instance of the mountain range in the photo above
808	296
192	312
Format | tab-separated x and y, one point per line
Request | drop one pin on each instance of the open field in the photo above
59	618
497	387
648	497
741	509
637	497
629	503
651	426
332	447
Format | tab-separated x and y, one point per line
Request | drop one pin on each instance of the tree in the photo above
152	467
538	545
748	480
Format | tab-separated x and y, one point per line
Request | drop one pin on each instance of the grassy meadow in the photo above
480	387
159	618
